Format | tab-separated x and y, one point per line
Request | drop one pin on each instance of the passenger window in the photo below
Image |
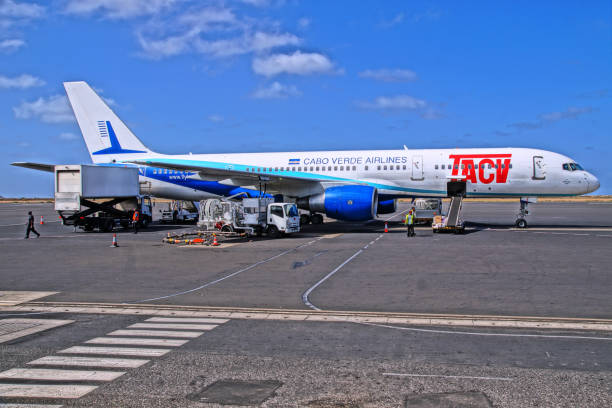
404	167
510	165
328	168
299	169
366	168
341	168
354	168
384	167
436	167
317	168
378	167
276	169
397	167
311	168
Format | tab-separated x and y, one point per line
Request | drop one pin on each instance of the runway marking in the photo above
157	333
137	342
214	282
187	320
46	374
45	391
117	351
29	406
89	362
14	297
172	326
11	329
467	377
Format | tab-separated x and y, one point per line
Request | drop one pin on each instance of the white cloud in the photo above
304	23
257	43
569	113
11	45
10	8
68	136
54	109
276	90
118	9
389	75
399	102
215	118
397	19
298	63
21	82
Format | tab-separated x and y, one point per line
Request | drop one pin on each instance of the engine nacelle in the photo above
346	203
387	207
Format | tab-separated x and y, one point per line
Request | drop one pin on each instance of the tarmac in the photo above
339	315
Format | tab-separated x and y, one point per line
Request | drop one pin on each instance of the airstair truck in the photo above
99	197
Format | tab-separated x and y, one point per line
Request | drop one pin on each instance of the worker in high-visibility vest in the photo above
410	223
135	219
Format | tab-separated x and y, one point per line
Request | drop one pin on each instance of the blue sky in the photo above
272	75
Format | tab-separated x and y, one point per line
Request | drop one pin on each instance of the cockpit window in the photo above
572	166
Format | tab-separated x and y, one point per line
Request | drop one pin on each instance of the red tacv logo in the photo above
486	168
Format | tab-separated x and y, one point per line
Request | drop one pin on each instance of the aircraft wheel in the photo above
316	219
521	223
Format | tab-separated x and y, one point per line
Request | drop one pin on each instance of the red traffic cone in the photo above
114	244
215	243
386	229
42	220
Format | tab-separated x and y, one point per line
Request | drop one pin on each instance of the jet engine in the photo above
387	207
346	203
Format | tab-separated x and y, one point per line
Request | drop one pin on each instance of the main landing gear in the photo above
314	218
521	222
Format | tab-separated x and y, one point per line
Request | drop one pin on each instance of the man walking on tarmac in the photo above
135	219
410	223
31	226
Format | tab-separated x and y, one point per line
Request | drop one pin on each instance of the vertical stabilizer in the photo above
106	136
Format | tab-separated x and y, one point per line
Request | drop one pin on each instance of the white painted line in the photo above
14	297
137	342
117	351
89	362
157	333
59	375
214	282
11	329
187	320
44	391
326	277
29	406
468	377
172	326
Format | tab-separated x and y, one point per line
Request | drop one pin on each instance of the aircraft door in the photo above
417	168
539	173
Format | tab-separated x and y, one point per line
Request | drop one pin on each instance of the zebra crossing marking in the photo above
47	374
101	362
131	341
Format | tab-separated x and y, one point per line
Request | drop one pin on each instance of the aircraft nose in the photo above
593	183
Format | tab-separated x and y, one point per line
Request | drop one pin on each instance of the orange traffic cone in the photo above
386	229
215	243
114	244
42	220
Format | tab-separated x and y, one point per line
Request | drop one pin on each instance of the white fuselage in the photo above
488	172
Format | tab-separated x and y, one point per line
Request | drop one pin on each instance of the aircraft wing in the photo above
36	166
244	175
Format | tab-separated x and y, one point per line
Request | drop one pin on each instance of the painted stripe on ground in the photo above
137	341
187	320
172	326
118	351
157	333
89	362
44	391
29	406
47	374
461	377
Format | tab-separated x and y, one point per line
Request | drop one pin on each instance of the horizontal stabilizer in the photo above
35	166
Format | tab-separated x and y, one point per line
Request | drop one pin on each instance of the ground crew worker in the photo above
135	219
410	223
31	226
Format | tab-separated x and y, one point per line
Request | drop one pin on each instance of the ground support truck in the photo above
180	211
254	216
99	197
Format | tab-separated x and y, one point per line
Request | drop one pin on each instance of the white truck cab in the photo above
284	217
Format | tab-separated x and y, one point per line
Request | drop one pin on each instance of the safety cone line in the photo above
114	244
42	220
386	228
215	243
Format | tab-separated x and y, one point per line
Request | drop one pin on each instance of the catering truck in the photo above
99	198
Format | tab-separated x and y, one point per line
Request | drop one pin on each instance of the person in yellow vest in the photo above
410	223
135	219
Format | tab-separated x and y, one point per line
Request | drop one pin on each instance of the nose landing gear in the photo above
521	222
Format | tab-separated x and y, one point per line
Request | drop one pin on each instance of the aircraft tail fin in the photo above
106	136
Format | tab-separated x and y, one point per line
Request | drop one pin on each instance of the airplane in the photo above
352	185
